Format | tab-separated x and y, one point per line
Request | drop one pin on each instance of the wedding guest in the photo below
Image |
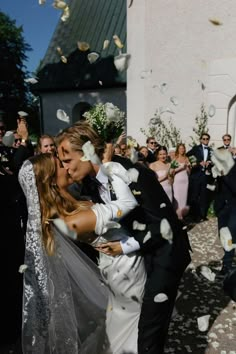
226	138
171	153
142	155
117	150
151	146
199	196
17	140
45	144
163	171
165	260
181	181
123	148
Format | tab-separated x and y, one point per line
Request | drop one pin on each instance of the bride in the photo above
65	302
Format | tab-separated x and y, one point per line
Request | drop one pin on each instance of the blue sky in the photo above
38	21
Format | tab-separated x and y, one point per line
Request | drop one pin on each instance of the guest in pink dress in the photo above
163	171
181	180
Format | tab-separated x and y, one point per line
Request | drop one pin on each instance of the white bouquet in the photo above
107	120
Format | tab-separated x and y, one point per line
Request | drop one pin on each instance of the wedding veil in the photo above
64	299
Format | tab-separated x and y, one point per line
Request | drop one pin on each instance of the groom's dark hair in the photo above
78	134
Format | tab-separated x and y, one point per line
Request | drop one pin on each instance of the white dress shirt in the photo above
128	244
205	152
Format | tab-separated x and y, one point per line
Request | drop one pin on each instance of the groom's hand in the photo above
111	248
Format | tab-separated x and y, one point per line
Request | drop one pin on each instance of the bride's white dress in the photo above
125	277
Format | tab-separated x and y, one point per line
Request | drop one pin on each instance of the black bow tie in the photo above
226	147
205	147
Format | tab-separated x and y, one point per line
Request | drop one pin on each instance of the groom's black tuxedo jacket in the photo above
197	151
154	205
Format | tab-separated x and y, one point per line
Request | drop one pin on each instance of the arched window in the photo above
78	110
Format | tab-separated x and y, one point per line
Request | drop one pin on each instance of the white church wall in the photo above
174	42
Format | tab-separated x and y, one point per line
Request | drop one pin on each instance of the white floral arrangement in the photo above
107	120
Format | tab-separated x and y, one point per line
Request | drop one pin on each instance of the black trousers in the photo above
199	196
155	316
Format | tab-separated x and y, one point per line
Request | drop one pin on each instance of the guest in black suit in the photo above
224	170
163	240
152	146
199	196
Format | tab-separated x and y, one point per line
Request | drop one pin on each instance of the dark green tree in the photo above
13	89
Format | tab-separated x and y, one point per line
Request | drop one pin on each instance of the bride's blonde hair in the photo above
52	202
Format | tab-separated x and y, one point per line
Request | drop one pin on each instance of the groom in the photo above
165	258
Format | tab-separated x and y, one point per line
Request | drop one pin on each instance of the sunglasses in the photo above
16	140
153	143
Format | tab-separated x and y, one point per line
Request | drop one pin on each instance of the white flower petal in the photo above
59	4
161	297
147	237
63	59
203	323
92	57
174	100
211	110
22	268
31	80
138	226
90	154
226	239
118	42
163	205
22	114
145	74
83	46
122	61
106	44
207	273
166	231
61	115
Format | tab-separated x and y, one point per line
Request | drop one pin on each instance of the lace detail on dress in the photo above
64	299
35	308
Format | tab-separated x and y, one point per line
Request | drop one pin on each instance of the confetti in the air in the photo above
118	42
61	115
83	46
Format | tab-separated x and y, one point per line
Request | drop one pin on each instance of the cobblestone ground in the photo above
199	297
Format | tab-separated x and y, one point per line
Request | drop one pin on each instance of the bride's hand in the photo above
111	248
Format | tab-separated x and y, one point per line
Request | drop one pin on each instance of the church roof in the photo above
91	21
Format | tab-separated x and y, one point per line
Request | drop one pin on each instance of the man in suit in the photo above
199	196
226	138
155	228
151	146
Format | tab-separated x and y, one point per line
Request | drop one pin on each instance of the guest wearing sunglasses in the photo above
17	140
199	196
151	146
226	138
